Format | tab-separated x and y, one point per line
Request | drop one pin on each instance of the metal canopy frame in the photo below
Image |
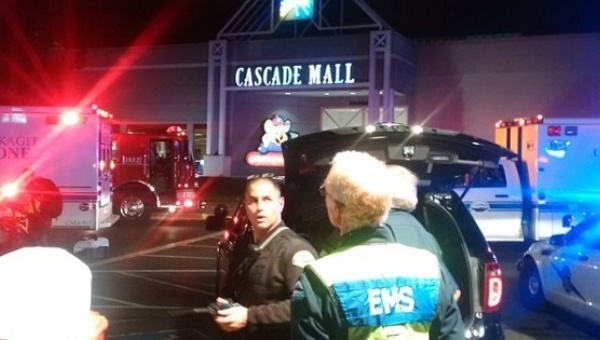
259	18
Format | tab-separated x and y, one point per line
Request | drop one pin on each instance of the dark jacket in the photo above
316	315
407	230
265	280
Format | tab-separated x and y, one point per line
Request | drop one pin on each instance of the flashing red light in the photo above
9	190
175	130
492	293
538	119
70	118
554	130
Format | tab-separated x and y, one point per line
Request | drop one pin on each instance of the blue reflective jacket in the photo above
373	288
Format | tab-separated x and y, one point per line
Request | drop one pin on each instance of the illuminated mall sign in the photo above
296	9
293	75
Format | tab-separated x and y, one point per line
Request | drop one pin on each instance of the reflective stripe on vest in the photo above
383	290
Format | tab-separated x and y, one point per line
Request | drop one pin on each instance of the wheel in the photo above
530	287
133	210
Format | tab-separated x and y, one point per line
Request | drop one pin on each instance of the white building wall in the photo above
469	85
162	84
461	85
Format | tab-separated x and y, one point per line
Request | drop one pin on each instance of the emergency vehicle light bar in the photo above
175	130
551	130
539	119
102	113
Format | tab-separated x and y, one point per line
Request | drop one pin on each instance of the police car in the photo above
438	157
564	271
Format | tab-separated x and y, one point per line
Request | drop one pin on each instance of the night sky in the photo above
101	23
38	37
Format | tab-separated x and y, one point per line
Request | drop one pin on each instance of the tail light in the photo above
492	293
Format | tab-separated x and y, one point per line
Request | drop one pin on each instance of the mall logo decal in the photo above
276	131
296	9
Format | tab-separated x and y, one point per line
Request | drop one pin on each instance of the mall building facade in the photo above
262	82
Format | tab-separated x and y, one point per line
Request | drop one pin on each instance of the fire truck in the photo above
68	145
152	171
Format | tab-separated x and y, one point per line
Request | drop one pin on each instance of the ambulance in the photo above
68	145
550	184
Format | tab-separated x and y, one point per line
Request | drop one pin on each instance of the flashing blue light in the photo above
556	153
557	148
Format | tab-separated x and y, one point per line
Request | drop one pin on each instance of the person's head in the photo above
403	184
356	191
264	203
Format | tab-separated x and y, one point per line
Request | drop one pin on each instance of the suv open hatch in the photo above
438	157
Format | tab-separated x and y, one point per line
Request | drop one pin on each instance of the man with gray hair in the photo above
405	228
371	287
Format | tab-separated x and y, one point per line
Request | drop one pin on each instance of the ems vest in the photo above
383	291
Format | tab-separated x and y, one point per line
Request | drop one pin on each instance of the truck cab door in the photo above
130	155
161	165
495	201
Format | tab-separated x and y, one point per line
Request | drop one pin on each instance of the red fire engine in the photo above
151	171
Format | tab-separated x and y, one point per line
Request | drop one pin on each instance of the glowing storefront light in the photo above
296	10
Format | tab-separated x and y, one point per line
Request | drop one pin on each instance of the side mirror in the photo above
557	240
567	221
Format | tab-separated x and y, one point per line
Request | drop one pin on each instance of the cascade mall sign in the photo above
294	75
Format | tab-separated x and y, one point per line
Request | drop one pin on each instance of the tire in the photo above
133	209
530	287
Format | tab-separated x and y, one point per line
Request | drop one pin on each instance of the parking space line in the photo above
200	246
137	307
154	250
166	283
182	257
108	271
129	304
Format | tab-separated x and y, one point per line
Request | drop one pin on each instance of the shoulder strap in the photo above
266	241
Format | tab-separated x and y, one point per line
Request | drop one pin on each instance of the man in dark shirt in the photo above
264	281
